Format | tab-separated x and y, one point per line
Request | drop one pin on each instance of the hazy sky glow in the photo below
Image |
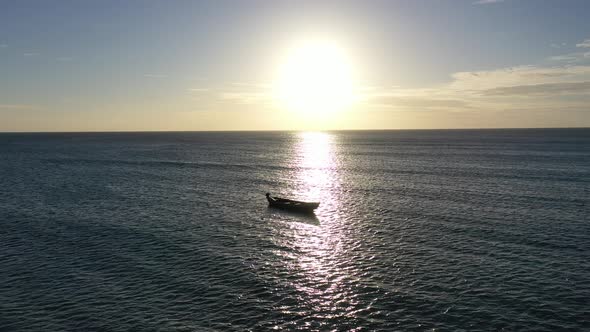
211	65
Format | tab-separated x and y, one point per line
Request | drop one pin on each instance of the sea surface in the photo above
456	230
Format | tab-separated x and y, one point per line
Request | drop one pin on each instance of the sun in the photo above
315	78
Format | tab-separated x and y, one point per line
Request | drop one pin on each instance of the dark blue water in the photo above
417	230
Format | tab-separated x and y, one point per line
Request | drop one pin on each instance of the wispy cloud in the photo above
570	57
521	87
418	102
560	85
575	57
198	90
241	93
13	107
520	75
553	83
30	54
547	89
3	45
555	45
580	57
505	89
154	75
246	97
487	2
251	85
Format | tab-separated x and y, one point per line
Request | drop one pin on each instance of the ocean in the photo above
444	230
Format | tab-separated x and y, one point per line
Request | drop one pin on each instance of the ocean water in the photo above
460	230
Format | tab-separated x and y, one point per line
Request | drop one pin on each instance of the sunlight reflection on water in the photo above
319	249
316	165
454	230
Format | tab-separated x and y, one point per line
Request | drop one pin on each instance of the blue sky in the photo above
206	65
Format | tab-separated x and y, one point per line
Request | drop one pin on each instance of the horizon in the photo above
157	66
287	130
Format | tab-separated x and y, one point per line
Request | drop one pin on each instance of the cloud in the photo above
13	107
251	85
198	90
520	87
520	75
547	85
547	89
487	2
154	75
570	57
246	97
418	103
242	93
554	45
3	45
505	89
64	59
575	57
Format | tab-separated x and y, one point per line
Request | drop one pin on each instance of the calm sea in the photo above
473	230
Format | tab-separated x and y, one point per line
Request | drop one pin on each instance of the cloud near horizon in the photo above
487	2
557	83
16	107
501	89
522	87
547	89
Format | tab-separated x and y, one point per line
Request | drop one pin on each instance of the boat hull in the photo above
291	205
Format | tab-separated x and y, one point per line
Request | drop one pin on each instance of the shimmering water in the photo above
417	230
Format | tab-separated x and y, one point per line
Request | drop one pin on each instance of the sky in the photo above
169	65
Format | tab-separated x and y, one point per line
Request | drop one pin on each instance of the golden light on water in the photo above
320	247
315	78
318	244
316	166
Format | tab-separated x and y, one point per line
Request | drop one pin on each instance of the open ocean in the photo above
450	230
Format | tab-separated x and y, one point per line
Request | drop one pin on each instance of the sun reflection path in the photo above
319	252
316	167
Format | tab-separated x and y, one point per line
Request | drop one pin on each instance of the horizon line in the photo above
278	130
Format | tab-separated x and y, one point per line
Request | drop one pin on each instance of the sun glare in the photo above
315	78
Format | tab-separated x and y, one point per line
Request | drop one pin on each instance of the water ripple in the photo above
416	231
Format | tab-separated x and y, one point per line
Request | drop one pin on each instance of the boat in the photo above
291	205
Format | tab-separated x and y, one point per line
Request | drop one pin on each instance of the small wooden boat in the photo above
291	205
